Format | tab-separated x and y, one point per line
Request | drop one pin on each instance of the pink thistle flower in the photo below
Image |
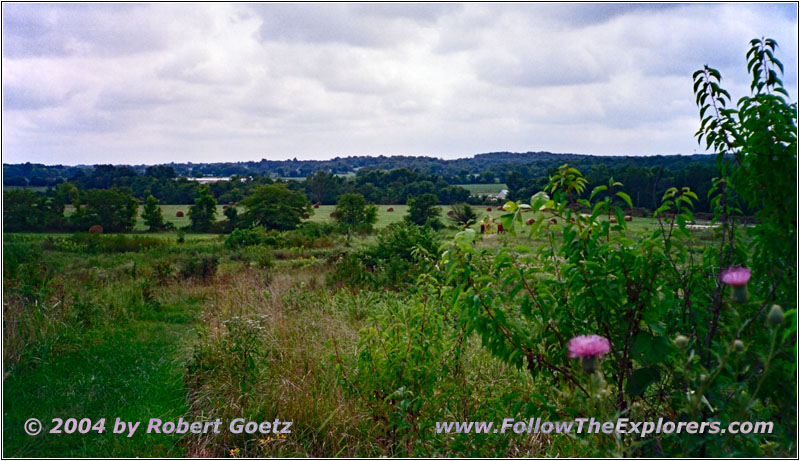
588	346
735	276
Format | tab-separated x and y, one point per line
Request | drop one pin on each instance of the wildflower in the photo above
775	315
588	348
234	451
738	345
737	277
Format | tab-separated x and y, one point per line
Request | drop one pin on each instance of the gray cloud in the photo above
87	83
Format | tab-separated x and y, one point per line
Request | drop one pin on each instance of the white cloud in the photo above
149	83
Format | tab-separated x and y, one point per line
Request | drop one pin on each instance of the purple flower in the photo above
588	346
735	276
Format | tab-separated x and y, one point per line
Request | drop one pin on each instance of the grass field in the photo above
483	189
30	188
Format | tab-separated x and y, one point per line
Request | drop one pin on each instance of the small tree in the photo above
423	211
233	217
463	215
152	214
353	214
274	206
204	210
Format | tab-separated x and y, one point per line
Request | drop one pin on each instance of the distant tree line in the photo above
645	179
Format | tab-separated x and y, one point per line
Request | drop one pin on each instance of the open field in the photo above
385	217
483	189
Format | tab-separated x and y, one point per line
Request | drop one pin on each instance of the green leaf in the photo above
465	237
649	349
640	379
597	190
625	197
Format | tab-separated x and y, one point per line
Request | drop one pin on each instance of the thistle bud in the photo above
681	341
775	315
589	364
739	294
738	345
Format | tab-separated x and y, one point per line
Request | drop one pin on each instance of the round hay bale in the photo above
628	218
316	205
553	221
613	220
179	214
390	209
231	203
489	209
451	213
224	207
332	215
96	229
530	221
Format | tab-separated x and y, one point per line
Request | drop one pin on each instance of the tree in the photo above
463	215
353	213
114	209
274	206
756	145
152	214
25	211
233	217
423	211
204	211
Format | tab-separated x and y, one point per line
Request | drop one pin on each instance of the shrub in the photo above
246	237
199	267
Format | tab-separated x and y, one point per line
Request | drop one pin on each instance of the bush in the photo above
394	261
246	237
199	267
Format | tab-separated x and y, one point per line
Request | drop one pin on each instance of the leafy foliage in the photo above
152	214
274	207
204	211
463	215
422	211
354	214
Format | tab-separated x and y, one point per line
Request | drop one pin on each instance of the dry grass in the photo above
293	373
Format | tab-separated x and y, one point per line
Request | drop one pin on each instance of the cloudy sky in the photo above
153	83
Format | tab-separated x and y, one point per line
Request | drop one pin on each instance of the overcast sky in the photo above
154	83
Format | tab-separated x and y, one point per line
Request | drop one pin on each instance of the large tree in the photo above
274	206
114	209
